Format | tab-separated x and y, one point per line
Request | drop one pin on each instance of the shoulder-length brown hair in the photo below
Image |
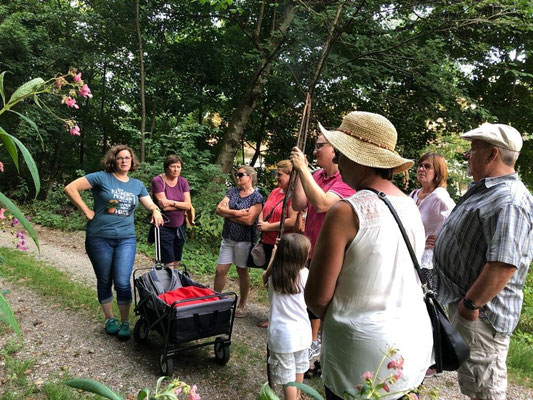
439	165
172	159
291	256
109	161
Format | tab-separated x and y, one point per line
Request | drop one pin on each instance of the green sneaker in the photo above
124	332
111	326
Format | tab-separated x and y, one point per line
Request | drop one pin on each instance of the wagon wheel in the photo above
166	365
140	331
222	351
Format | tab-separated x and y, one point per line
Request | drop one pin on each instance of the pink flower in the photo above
392	365
75	131
70	102
398	375
193	395
412	396
14	222
85	91
368	375
2	211
1	166
177	391
20	235
386	387
22	246
60	82
77	77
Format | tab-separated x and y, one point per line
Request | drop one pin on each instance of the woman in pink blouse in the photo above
433	201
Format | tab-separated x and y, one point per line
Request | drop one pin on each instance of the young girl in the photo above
289	330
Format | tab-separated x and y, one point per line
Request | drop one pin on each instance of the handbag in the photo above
257	256
451	350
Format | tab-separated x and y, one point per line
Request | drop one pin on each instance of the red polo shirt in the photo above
314	220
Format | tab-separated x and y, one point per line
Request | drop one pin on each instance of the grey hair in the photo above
507	156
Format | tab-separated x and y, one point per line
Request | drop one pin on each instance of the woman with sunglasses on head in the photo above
433	201
171	191
239	208
110	235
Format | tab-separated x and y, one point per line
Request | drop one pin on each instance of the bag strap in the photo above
272	211
383	196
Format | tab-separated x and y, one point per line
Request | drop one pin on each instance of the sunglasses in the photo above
425	166
241	174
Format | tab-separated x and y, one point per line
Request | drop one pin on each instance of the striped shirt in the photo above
492	222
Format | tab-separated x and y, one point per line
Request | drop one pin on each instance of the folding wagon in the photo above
187	319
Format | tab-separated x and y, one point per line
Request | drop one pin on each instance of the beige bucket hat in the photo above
368	139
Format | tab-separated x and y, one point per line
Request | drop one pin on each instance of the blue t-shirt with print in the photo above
114	205
233	230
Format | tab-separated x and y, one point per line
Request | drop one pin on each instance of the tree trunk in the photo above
234	133
141	65
102	109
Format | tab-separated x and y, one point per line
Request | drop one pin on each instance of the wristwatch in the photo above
469	304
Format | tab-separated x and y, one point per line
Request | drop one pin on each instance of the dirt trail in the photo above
63	341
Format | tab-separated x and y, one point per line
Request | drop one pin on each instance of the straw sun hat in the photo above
368	139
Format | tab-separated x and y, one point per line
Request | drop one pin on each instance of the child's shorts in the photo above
285	366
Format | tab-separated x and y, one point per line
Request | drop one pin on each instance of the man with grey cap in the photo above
482	256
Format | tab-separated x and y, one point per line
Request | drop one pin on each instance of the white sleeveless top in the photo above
378	301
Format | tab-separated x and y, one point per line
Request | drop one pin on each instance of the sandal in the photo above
241	312
263	324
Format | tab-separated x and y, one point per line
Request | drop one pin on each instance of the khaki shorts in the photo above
285	366
484	374
232	252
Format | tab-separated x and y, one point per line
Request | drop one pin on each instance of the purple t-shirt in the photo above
176	193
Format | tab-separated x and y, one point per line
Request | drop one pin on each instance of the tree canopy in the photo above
241	70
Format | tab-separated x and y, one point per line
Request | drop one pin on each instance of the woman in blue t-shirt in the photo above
110	235
240	208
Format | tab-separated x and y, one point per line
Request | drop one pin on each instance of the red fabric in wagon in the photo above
188	292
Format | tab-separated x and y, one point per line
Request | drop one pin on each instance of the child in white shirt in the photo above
289	329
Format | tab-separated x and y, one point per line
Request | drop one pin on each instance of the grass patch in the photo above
54	285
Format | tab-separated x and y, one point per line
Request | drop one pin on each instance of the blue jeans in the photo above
112	261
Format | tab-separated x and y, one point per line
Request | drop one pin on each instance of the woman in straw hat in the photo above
362	281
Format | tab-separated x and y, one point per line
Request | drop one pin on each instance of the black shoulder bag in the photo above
451	351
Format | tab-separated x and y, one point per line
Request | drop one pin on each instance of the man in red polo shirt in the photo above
317	192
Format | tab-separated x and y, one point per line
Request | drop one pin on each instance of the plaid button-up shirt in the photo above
492	222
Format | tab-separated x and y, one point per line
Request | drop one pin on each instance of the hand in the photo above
469	315
157	218
298	159
163	203
89	214
244	212
263	226
430	242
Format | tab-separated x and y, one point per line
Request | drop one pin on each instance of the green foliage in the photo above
91	386
6	314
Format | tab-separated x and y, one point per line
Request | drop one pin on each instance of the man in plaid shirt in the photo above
482	256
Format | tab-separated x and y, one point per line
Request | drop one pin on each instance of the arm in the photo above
224	211
290	221
321	200
339	229
493	278
73	189
147	202
169	205
250	216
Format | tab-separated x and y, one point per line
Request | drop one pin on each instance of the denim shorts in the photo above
484	373
233	252
285	366
112	261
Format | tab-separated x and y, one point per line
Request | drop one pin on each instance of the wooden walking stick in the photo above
301	141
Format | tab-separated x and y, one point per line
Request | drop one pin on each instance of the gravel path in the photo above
62	341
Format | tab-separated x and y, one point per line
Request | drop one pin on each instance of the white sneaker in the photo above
314	350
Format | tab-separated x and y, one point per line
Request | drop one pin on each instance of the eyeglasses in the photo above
123	158
318	146
425	166
241	174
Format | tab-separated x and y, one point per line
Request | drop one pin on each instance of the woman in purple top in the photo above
171	192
